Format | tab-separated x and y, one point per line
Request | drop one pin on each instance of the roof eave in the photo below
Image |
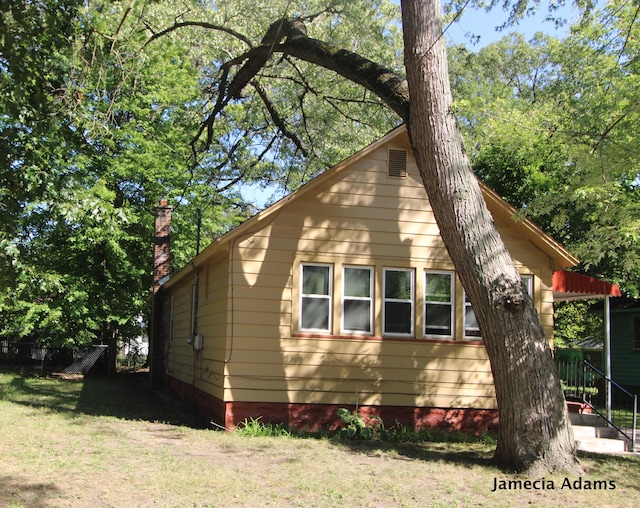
561	257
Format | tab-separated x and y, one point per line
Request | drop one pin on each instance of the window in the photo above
398	302
315	306
357	308
636	333
471	328
438	307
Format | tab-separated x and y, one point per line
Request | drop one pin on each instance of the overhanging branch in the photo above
289	37
277	119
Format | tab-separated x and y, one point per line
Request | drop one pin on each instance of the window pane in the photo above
438	287
397	317
315	280
315	313
357	282
471	328
357	314
438	319
397	284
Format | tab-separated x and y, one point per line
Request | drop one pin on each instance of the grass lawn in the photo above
100	443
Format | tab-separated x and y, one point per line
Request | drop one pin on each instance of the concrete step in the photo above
587	431
587	419
593	435
601	445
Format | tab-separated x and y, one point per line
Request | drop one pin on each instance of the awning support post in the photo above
607	354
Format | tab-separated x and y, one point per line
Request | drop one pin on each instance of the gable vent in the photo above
397	163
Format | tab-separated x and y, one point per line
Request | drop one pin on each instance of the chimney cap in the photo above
164	202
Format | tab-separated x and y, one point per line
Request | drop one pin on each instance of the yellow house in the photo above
342	294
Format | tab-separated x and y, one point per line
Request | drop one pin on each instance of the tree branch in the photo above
199	24
383	82
279	122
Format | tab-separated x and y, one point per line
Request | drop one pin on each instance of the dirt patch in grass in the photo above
102	443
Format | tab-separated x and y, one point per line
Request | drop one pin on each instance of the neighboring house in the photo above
625	342
342	294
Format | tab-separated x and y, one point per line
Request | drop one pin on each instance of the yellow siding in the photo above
254	350
203	368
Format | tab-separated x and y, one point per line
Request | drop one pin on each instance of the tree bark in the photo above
534	433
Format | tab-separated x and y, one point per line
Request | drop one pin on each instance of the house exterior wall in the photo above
257	358
625	360
198	374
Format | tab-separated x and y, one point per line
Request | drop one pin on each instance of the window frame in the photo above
451	304
385	300
527	278
466	302
345	298
328	296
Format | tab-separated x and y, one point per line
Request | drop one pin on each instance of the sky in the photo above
474	22
483	24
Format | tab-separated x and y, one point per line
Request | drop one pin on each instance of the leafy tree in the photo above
548	123
573	322
78	245
34	37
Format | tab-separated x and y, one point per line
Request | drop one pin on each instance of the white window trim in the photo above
527	278
320	297
466	304
370	299
385	300
452	304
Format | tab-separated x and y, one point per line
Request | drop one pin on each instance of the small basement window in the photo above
397	163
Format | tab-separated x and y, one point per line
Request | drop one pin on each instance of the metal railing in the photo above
583	382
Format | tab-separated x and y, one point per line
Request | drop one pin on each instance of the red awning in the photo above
575	286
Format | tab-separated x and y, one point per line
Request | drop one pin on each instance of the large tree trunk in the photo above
534	433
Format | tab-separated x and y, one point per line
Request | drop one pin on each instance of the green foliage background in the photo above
99	119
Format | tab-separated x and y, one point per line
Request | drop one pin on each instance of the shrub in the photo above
359	428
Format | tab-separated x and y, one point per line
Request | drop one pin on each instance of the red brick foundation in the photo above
315	417
207	405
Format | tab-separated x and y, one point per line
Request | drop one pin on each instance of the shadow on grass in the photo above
127	395
465	454
17	492
611	465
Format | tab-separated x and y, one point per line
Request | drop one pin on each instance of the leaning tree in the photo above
534	433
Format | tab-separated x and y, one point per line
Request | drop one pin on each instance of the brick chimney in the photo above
160	319
161	248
